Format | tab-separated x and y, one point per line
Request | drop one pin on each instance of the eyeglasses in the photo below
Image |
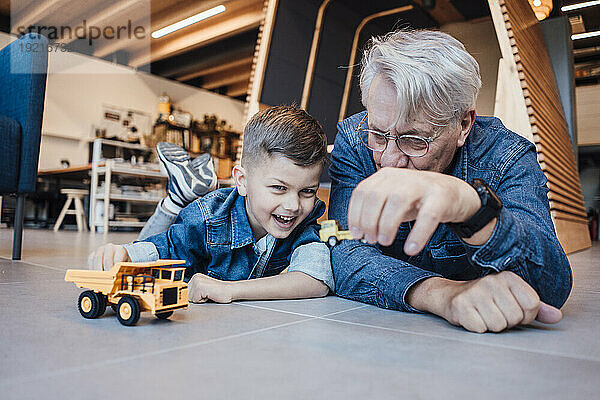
411	145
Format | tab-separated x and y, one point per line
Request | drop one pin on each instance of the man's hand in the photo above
202	288
106	256
391	196
493	303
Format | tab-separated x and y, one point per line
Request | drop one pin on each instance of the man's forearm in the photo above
364	274
290	285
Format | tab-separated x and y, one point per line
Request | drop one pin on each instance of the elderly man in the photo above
452	207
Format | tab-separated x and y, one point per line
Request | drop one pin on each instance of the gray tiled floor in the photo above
317	348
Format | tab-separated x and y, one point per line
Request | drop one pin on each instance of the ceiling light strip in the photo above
580	5
188	21
585	35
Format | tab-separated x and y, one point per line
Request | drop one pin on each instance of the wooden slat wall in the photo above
549	128
259	65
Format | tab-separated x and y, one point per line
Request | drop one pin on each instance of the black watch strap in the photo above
490	209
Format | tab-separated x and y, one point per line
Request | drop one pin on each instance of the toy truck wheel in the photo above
89	304
164	315
102	300
128	311
332	241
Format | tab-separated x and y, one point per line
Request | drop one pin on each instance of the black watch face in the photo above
496	202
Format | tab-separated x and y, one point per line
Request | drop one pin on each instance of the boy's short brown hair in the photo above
287	131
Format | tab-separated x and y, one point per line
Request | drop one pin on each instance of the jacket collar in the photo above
241	232
458	168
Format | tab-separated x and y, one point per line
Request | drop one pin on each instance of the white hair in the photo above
432	73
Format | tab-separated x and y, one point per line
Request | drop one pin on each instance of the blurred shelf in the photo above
136	224
118	169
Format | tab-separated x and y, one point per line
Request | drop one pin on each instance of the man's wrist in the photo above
481	237
477	225
419	295
429	295
233	289
472	203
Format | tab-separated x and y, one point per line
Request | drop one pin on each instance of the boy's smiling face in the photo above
279	194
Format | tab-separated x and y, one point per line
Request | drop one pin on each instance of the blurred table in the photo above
47	198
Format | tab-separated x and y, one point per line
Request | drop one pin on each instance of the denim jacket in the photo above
523	241
214	236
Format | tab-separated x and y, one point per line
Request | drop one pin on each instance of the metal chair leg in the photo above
18	234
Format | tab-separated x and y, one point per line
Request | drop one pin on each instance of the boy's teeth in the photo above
285	218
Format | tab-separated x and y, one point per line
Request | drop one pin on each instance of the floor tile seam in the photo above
300	314
114	361
35	264
37	281
515	348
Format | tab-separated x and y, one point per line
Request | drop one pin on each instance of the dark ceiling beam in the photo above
227	50
217	68
444	12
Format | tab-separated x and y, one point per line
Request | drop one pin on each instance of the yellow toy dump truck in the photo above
330	232
130	288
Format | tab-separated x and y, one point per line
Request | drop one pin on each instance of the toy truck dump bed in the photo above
331	233
131	288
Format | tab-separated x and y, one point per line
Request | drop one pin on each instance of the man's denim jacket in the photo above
214	236
523	241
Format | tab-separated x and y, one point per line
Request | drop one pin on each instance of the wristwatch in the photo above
490	209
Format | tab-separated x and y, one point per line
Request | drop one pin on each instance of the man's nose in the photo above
392	156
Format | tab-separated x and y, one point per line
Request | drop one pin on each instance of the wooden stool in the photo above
77	195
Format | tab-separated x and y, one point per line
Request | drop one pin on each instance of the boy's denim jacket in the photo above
523	241
214	236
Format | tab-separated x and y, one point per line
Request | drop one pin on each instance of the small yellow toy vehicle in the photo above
330	232
130	288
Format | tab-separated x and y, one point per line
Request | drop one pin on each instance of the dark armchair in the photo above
23	70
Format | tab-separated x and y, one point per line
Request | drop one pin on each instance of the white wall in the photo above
79	85
480	40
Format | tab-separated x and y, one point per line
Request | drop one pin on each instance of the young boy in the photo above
237	241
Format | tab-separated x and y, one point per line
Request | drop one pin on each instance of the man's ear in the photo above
465	126
239	176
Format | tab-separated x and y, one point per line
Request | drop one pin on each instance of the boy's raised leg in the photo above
188	180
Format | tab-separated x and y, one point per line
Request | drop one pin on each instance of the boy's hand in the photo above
202	288
106	256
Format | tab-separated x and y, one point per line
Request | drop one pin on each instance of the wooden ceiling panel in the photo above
231	22
238	89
